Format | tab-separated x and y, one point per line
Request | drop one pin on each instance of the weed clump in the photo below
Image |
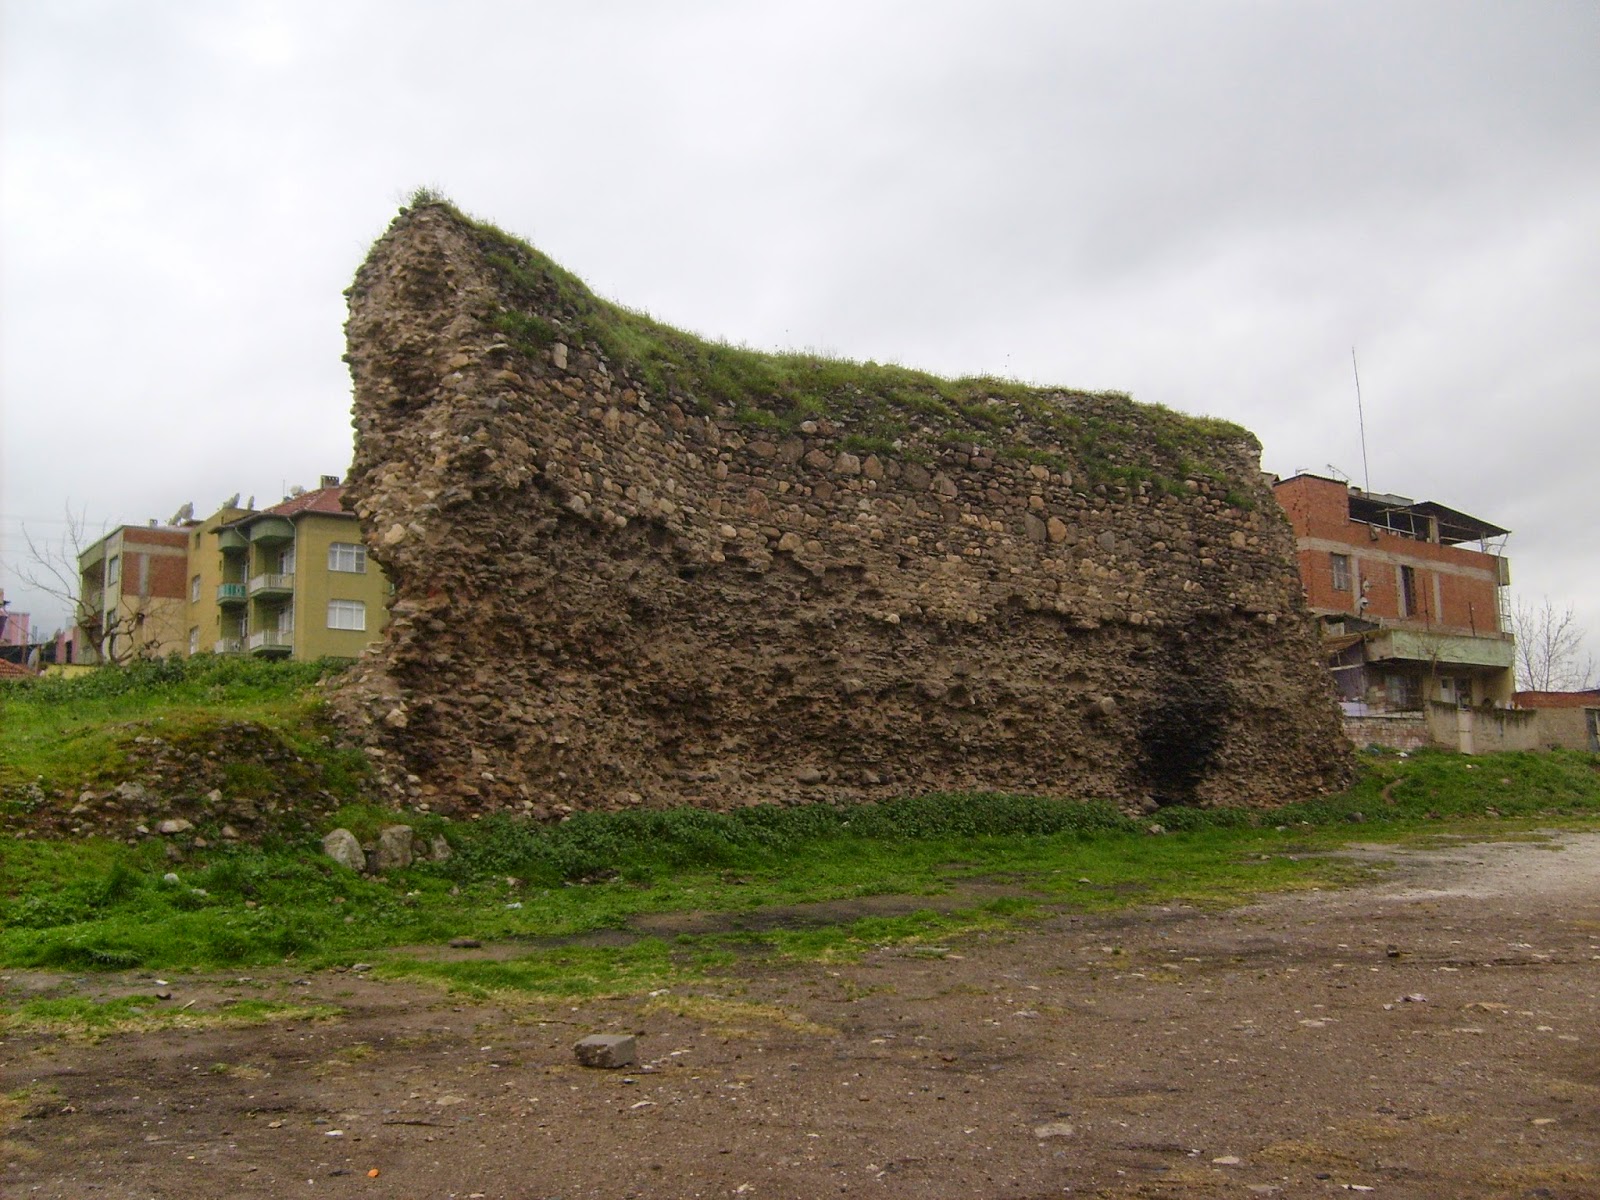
638	845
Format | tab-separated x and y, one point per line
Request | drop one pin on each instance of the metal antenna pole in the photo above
1361	416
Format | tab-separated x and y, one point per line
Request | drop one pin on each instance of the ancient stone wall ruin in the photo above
631	567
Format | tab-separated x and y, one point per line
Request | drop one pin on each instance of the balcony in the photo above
232	540
1442	649
271	529
231	593
270	643
272	585
228	645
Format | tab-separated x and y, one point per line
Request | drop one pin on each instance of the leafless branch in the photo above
118	634
1550	653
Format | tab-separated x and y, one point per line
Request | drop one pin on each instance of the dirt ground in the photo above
1436	1034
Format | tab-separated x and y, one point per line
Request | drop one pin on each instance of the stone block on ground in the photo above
607	1051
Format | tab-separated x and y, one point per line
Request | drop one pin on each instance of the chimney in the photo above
329	481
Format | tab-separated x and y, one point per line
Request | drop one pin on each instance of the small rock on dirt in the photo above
174	825
1053	1129
607	1051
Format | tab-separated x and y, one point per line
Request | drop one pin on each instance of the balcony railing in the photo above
262	585
230	593
271	641
229	645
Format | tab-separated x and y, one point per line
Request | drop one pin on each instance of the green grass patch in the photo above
81	1017
567	973
849	941
61	736
748	882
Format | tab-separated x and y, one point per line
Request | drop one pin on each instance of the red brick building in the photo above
1410	595
132	593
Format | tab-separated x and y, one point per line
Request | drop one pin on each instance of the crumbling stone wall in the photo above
616	585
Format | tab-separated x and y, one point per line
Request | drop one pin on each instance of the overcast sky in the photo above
1204	204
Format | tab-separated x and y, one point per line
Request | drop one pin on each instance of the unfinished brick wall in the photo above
611	593
1456	588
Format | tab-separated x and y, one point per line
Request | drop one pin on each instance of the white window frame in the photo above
352	553
194	590
342	611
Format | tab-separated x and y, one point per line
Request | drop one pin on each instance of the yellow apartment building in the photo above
207	630
289	581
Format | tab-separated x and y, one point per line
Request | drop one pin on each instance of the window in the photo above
194	590
286	561
1408	592
347	614
194	640
347	556
1341	572
1404	692
113	569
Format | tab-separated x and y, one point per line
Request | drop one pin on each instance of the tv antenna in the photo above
1361	417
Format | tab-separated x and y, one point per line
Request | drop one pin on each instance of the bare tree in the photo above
1550	654
118	633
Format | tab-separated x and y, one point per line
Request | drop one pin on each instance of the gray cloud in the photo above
1204	204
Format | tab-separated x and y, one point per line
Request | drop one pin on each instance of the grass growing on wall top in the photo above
1099	437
